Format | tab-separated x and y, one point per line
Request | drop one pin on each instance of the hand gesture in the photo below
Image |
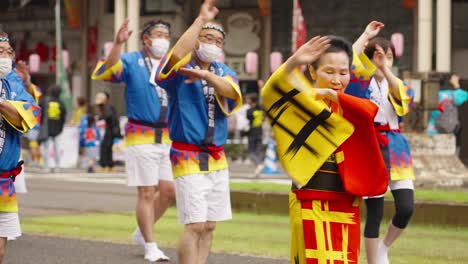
123	34
312	50
208	11
326	94
22	69
379	59
373	29
455	81
193	74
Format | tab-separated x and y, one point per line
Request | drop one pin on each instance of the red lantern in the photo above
34	63
276	59
107	48
398	41
66	59
251	62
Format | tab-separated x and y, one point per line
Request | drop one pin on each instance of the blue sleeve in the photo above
21	94
460	96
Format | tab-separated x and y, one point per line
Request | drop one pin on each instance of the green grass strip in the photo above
263	235
420	194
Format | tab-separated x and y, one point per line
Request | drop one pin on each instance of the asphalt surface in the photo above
75	193
31	249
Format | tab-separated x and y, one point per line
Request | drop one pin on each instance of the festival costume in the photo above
32	134
10	153
387	121
90	139
456	97
322	151
146	109
395	150
198	125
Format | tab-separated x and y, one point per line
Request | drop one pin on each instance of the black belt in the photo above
158	126
324	181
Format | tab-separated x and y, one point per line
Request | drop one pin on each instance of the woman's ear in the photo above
312	72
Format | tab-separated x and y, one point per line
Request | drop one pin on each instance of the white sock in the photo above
151	246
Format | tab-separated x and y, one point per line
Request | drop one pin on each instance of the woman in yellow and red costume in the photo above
327	144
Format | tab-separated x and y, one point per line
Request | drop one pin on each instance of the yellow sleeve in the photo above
364	69
228	105
406	95
166	73
112	74
30	115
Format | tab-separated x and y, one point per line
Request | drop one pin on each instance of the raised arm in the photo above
120	38
307	53
372	29
380	61
188	40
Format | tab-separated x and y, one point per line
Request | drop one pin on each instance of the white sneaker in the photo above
153	253
382	253
138	237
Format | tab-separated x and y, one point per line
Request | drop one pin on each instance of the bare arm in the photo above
188	40
381	63
307	53
10	113
121	37
221	85
372	29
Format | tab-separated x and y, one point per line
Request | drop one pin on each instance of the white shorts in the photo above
9	225
203	197
397	185
20	182
147	164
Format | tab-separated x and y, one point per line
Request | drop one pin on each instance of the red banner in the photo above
92	45
299	35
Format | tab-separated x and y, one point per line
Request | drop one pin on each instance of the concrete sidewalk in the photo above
33	249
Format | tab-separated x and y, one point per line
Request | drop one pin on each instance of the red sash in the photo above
214	151
13	173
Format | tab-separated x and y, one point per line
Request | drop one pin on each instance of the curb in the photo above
434	213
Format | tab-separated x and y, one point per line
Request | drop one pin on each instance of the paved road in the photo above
55	194
31	249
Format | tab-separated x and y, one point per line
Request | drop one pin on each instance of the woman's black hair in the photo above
384	43
337	44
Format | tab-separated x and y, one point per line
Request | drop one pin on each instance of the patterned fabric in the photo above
141	97
457	97
37	92
188	115
10	138
401	163
308	133
90	137
325	227
362	71
390	112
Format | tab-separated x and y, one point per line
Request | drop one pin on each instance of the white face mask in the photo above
5	67
208	52
159	47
